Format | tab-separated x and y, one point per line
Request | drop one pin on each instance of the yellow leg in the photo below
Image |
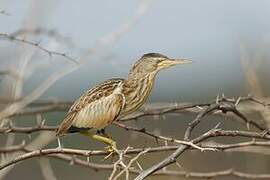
104	134
112	144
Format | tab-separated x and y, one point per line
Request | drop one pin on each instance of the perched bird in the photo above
115	98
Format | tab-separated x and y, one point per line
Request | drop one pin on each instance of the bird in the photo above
115	98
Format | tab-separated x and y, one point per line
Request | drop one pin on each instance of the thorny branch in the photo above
54	34
122	166
210	134
182	148
37	45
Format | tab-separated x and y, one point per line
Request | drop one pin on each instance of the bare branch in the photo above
218	105
212	133
37	45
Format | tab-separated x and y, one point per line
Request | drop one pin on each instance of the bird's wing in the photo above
96	108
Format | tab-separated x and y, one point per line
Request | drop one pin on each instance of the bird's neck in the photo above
137	88
133	77
140	80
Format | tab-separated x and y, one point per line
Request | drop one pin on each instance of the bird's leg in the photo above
112	144
102	132
111	148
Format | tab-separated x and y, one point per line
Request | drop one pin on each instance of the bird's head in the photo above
153	62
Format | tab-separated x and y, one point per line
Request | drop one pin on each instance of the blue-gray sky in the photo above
215	34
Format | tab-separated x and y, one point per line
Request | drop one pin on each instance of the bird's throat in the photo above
136	90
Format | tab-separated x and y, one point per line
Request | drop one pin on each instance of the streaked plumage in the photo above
115	98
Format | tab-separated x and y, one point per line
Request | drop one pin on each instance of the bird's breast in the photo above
136	93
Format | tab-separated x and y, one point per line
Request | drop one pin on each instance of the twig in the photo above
215	132
46	32
37	45
118	162
86	153
167	139
27	130
126	169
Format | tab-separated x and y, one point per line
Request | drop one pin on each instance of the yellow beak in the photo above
180	61
171	62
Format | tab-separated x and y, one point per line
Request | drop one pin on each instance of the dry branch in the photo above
210	134
37	45
221	105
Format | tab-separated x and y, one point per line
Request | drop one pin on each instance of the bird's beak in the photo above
172	62
180	61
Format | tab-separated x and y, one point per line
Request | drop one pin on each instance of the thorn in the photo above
217	126
38	119
59	143
238	101
42	123
72	160
217	99
248	125
178	164
166	143
138	164
264	132
223	96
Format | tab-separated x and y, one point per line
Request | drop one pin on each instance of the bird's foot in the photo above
111	149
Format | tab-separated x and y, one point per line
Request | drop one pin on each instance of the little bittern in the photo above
115	98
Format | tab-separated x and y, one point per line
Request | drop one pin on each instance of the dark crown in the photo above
154	55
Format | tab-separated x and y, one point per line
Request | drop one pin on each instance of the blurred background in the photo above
227	40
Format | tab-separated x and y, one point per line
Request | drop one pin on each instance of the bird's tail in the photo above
65	125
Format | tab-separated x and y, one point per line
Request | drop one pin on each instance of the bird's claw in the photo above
111	149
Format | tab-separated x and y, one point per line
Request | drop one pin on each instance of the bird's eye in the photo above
160	61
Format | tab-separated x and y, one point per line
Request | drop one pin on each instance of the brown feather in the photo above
91	96
66	124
